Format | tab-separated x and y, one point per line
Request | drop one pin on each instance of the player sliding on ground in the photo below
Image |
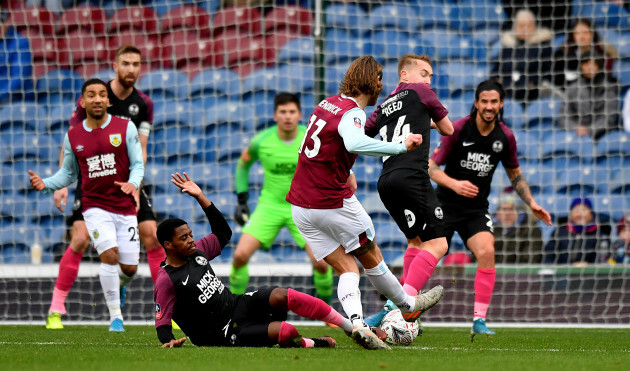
188	291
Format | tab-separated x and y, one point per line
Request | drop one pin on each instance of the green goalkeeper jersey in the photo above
279	160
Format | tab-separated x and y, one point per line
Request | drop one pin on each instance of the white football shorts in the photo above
326	229
109	230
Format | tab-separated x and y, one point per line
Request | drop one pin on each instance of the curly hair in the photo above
361	77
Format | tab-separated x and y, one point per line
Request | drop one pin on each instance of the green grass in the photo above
93	348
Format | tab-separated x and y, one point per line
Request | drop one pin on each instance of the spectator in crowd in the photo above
551	13
525	49
517	238
591	104
621	246
626	112
583	237
582	38
16	71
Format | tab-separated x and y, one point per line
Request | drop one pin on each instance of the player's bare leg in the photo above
68	271
322	277
155	252
482	246
239	275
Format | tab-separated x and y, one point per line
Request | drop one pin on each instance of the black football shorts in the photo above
411	201
251	318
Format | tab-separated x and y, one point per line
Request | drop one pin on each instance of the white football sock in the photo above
386	283
110	282
350	297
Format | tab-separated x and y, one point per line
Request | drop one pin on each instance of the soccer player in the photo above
277	149
106	152
326	211
471	155
188	291
131	104
404	185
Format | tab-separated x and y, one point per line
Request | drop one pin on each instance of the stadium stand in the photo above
213	70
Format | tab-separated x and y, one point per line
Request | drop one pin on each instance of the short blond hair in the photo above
408	59
126	49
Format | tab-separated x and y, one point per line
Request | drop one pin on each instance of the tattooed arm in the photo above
519	184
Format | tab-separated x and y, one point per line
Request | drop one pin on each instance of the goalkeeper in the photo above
277	148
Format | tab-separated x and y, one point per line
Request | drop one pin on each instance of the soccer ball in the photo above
398	330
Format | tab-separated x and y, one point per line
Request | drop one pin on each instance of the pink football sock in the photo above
155	257
68	271
287	333
410	255
308	306
420	269
484	285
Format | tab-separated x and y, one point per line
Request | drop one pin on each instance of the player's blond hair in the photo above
408	59
126	49
361	77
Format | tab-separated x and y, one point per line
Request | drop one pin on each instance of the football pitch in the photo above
94	348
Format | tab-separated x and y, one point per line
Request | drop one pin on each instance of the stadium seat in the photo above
440	16
379	44
463	76
157	175
614	144
186	17
37	19
171	205
247	20
267	81
399	17
450	45
232	146
342	46
560	143
217	81
620	183
234	115
212	177
44	211
177	113
542	111
149	46
134	18
32	147
59	117
58	85
19	117
620	39
85	18
165	83
87	52
184	47
602	14
239	47
540	178
513	113
293	17
486	14
300	50
366	176
274	42
336	72
374	206
15	242
49	53
301	77
621	71
457	107
174	144
391	240
224	201
613	205
527	146
344	16
15	208
556	204
578	181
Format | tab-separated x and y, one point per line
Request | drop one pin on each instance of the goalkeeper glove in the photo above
241	215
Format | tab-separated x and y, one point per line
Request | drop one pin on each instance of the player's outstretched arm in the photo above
190	187
520	186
